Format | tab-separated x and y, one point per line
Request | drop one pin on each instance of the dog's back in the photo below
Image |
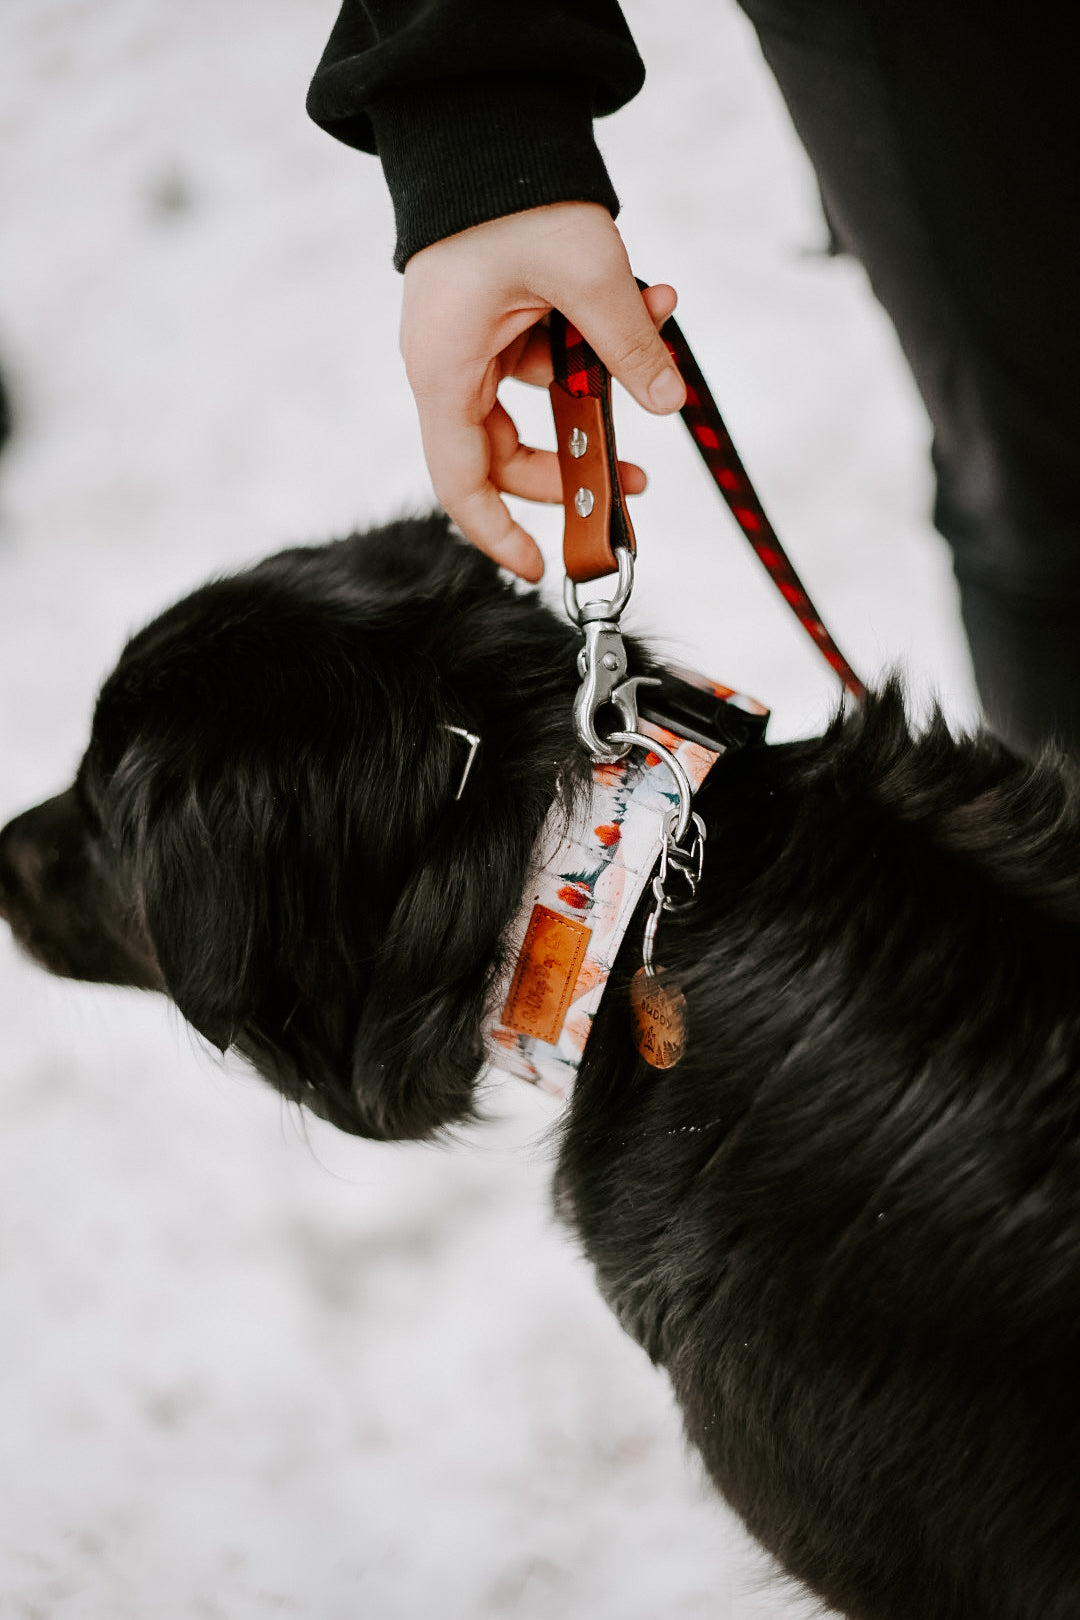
849	1222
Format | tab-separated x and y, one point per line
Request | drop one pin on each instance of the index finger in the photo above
458	453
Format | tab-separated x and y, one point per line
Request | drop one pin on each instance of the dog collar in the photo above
588	875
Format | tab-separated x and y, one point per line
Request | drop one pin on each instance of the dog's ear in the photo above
202	860
343	941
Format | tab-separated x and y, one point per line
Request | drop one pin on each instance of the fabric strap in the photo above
587	879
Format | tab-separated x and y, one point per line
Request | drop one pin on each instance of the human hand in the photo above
471	315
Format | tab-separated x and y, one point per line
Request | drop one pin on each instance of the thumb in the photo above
622	328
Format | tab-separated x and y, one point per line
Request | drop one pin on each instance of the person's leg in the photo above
943	156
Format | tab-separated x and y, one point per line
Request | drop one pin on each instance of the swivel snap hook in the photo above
604	681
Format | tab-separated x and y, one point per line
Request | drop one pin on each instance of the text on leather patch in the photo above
547	971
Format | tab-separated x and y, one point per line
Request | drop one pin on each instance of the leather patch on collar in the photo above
547	972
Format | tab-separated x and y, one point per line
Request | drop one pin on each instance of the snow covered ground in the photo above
248	1368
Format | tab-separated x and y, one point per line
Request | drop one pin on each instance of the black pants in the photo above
945	140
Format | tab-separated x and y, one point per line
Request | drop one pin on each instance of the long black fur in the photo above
848	1223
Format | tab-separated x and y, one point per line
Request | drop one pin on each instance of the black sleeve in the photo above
476	108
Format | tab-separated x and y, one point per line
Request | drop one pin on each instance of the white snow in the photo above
247	1367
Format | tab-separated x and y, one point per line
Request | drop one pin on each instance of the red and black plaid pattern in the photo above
580	372
702	416
577	368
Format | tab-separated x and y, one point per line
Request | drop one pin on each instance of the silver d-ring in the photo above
578	612
638	739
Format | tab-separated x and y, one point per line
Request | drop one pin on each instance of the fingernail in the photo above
667	392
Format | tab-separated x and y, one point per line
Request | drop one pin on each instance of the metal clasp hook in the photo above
602	667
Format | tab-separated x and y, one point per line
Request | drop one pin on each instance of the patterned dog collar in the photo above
587	879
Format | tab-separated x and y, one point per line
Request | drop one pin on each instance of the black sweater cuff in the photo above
461	151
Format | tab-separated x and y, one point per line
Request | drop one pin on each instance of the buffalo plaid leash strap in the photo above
581	375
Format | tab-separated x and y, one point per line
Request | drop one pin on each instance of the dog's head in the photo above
265	824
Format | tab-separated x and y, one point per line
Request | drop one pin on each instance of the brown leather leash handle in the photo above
597	518
597	521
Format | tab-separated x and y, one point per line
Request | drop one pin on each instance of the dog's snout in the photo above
32	851
24	864
63	904
20	866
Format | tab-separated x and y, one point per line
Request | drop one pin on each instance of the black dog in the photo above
848	1222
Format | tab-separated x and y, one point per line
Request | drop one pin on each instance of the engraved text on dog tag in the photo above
658	1008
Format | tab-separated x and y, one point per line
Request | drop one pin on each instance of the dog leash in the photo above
677	720
599	541
599	537
638	826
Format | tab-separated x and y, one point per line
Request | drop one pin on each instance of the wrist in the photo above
465	151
